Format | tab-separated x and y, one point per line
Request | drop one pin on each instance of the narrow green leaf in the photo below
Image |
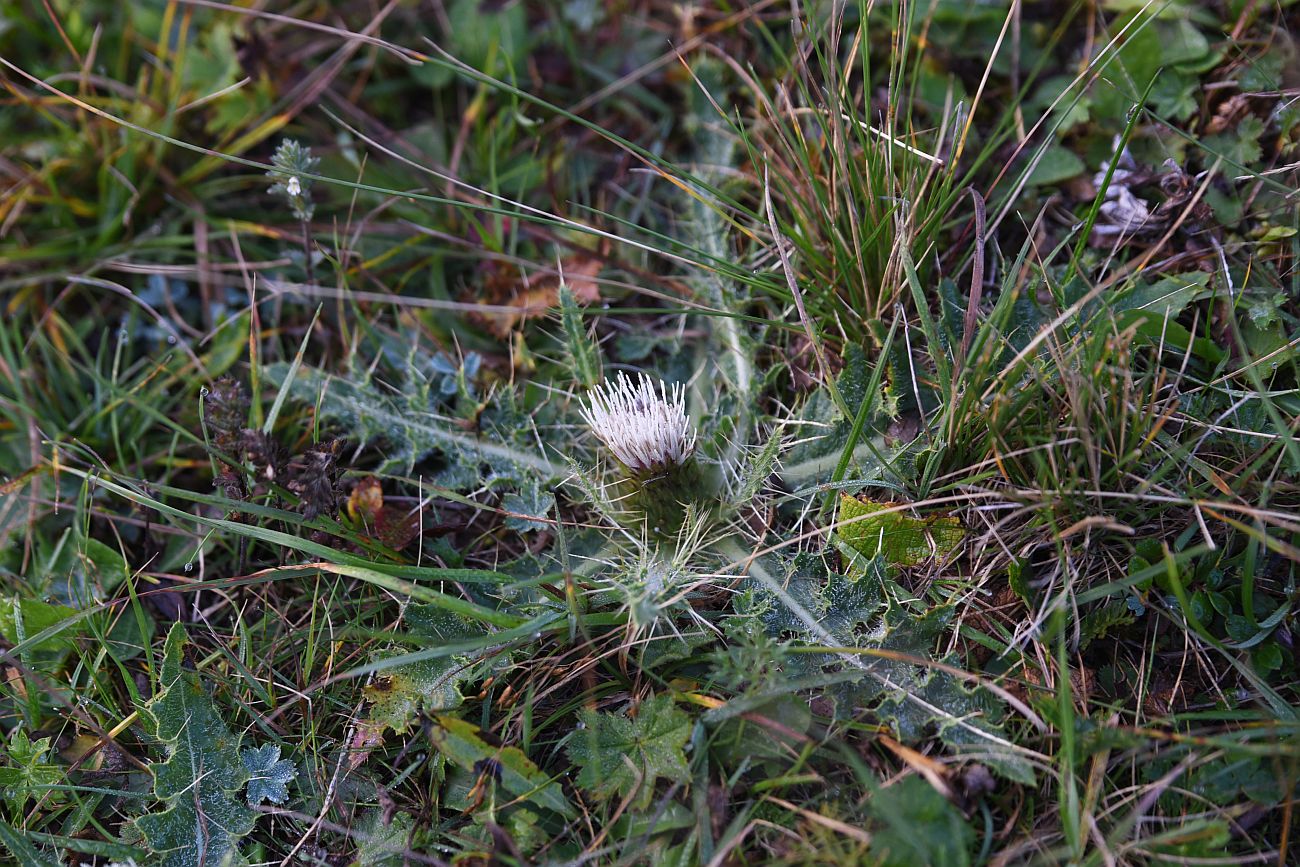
583	351
290	375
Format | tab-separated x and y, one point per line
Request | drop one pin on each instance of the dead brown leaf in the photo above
393	526
538	294
1229	112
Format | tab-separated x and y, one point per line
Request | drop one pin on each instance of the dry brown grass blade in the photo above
935	773
825	821
976	283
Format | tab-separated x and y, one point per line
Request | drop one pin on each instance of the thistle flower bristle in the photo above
647	430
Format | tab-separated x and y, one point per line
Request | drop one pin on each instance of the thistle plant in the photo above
654	444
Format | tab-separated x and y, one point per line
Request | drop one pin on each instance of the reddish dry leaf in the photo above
1229	112
537	294
367	736
392	526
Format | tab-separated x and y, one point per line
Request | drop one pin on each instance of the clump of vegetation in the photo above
579	433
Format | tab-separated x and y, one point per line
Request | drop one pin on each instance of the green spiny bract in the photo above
663	499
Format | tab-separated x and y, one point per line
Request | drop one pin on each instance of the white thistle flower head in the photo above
644	428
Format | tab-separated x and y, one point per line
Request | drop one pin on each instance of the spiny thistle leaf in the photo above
914	699
839	605
204	820
732	346
756	471
897	537
405	422
269	775
582	350
820	609
618	755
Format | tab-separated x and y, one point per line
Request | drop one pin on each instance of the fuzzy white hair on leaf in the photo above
645	428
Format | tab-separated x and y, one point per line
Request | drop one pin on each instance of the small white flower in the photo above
644	428
292	187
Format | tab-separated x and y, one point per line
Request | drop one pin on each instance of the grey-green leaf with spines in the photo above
582	349
204	819
825	609
402	420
